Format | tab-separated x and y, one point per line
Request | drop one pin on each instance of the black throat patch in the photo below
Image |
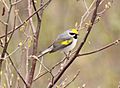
75	36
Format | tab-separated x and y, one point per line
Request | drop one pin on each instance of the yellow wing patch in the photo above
66	42
75	31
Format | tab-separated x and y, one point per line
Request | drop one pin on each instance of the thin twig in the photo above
40	68
30	20
85	4
72	79
4	23
5	4
85	15
50	69
19	45
17	70
38	17
41	63
101	49
16	2
6	74
62	84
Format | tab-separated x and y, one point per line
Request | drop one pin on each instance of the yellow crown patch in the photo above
75	31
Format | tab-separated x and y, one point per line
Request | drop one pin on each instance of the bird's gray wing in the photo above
61	42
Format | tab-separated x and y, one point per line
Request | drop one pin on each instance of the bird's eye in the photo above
72	33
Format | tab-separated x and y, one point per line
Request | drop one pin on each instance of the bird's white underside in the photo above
70	47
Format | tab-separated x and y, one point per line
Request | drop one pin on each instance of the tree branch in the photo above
6	40
101	49
35	46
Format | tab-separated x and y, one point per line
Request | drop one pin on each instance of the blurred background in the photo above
99	70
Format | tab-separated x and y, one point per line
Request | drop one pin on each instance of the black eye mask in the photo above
72	33
75	36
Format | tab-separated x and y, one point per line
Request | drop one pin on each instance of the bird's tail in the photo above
44	52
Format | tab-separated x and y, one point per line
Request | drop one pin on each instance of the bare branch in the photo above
85	15
6	36
30	20
101	49
3	22
51	68
35	45
3	1
17	70
6	31
16	2
85	4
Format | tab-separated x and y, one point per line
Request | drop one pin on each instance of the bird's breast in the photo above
70	47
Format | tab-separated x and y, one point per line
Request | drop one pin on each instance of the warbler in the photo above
65	42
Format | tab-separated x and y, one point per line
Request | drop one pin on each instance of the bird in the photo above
64	42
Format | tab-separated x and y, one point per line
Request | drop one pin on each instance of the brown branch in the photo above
37	14
31	20
38	17
6	41
6	31
50	85
35	45
45	5
4	23
16	2
16	70
101	49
